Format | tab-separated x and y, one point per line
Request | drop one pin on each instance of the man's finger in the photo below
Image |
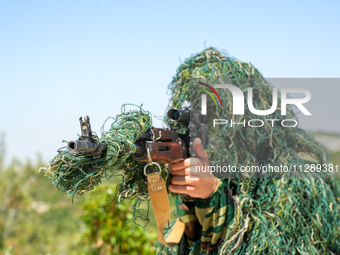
181	189
200	151
182	172
189	171
184	164
184	180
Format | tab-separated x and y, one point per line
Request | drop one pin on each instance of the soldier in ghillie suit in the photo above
243	214
289	214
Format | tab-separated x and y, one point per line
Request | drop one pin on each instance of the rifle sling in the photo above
161	208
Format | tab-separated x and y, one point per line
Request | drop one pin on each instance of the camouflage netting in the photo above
77	173
272	215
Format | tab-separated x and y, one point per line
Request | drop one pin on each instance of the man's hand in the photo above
194	184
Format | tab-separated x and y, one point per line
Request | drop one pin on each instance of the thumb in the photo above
201	153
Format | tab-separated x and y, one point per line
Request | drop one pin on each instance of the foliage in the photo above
36	219
33	218
111	232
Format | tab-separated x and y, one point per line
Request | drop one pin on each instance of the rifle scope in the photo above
180	115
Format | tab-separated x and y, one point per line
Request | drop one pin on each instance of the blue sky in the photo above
60	60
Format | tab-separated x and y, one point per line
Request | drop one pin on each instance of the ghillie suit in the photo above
271	215
295	215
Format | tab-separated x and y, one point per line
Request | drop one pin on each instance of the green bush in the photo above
34	217
112	231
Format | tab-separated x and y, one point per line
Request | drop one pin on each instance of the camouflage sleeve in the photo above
206	220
